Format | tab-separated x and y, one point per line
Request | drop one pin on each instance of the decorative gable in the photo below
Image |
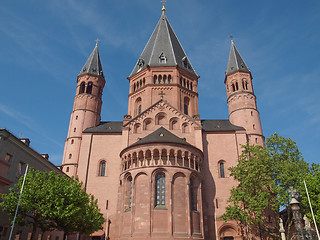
162	114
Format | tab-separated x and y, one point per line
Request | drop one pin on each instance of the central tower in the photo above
163	70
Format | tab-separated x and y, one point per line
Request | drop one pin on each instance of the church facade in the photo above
161	172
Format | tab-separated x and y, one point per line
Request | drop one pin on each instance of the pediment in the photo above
168	111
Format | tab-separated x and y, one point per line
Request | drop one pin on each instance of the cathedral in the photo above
162	171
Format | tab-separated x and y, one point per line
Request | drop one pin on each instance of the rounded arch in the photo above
138	175
89	88
128	183
161	118
169	79
227	231
185	128
222	168
137	128
164	79
82	87
155	79
147	124
159	79
138	106
186	101
174	123
102	168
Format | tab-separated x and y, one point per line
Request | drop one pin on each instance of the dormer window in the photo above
162	58
186	63
140	63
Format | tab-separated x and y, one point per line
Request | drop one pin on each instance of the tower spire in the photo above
235	62
93	65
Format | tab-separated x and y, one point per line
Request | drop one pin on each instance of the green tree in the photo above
289	170
265	176
288	167
255	194
50	201
313	185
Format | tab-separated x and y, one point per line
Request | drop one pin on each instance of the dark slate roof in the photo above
163	43
93	65
161	135
106	127
235	62
219	125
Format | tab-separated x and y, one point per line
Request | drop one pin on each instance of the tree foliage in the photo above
255	192
265	175
288	167
313	185
50	201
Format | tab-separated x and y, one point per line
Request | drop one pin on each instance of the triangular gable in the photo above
162	106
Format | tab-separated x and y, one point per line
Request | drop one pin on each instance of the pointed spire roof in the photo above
236	62
163	49
93	65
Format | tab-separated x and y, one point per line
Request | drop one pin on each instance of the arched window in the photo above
89	88
181	81
160	190
134	87
237	86
191	87
188	84
159	79
70	156
155	79
221	170
72	141
186	106
82	87
140	82
246	85
144	81
164	79
102	168
184	82
233	87
169	79
67	169
138	106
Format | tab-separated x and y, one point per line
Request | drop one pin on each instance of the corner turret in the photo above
241	99
86	109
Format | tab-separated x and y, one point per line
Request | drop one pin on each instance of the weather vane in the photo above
163	5
97	41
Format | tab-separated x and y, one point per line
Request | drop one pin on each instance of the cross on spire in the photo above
163	5
231	37
162	94
97	41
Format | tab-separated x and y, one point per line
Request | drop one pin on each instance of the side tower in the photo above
86	109
241	99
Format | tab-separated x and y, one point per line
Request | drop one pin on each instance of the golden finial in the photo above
231	37
97	40
163	5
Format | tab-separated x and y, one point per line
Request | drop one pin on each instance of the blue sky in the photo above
44	45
